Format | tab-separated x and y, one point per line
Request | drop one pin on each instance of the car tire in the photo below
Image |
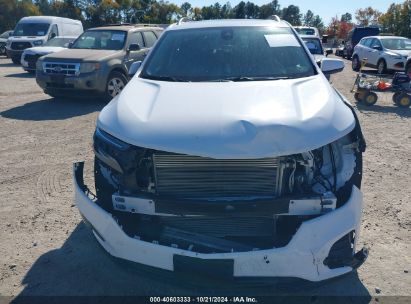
15	60
359	96
370	98
408	69
382	67
115	84
395	97
403	100
355	64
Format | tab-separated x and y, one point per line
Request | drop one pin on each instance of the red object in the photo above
383	85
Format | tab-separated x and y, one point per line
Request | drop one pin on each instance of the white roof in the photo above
45	19
227	23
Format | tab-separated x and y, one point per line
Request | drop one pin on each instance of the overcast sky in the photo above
326	9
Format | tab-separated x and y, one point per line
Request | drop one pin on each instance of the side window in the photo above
150	39
136	38
367	42
54	32
376	42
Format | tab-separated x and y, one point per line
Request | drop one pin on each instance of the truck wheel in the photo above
115	84
15	60
403	100
382	67
370	98
355	64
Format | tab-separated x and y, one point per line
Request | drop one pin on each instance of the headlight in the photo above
37	42
88	67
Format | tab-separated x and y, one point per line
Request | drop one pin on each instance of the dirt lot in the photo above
46	250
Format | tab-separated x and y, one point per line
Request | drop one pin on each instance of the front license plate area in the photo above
221	268
58	79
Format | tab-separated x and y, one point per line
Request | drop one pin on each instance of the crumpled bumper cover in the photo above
302	258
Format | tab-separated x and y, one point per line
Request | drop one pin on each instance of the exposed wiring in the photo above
334	169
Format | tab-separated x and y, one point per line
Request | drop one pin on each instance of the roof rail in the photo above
275	18
184	19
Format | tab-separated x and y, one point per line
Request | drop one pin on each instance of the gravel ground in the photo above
46	250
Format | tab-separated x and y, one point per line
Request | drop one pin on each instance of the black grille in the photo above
20	45
195	177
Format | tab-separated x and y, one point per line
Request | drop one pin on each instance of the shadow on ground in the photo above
9	64
82	268
22	75
403	112
54	109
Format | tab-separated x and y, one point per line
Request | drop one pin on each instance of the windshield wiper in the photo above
244	78
164	78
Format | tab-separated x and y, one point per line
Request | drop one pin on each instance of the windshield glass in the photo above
396	44
305	31
63	42
228	53
314	45
31	29
101	40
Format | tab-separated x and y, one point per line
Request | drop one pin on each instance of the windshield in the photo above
101	40
314	45
396	44
63	42
31	29
228	53
305	31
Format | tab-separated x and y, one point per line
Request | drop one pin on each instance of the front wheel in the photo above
115	84
382	67
15	60
355	64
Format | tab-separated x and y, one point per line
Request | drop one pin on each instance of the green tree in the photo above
267	10
185	8
308	18
292	14
367	16
347	17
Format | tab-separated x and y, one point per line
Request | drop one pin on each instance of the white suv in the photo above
229	154
385	53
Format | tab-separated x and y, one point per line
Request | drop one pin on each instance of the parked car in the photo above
385	53
339	51
36	31
355	35
229	154
97	62
307	31
31	55
315	47
3	40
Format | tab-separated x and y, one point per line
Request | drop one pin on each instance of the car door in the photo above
149	39
359	49
138	55
374	54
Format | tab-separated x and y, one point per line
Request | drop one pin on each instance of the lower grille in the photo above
20	45
196	177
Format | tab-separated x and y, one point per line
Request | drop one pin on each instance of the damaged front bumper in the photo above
307	256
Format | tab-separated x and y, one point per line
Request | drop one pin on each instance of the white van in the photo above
37	30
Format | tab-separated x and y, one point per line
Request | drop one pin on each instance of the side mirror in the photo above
52	35
331	66
377	47
134	47
328	52
134	68
70	44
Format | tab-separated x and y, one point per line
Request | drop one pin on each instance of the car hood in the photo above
81	55
43	50
405	53
228	119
